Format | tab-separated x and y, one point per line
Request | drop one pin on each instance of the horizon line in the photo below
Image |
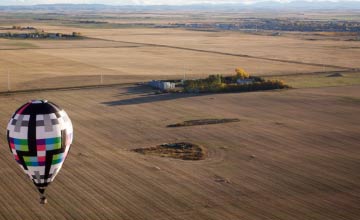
192	4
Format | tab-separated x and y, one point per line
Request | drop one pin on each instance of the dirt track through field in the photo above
137	44
232	54
57	48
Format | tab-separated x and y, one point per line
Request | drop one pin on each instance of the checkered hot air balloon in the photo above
40	134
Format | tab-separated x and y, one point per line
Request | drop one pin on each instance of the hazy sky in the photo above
137	2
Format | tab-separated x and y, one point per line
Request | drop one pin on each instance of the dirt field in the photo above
293	155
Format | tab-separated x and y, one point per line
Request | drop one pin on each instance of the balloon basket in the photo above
43	200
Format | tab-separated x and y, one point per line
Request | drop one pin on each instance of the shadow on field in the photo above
148	99
146	95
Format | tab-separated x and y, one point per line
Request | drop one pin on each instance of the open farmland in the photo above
293	155
288	154
139	54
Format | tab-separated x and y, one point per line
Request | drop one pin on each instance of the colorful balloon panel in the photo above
40	134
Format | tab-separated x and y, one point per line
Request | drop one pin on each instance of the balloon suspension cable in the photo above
43	199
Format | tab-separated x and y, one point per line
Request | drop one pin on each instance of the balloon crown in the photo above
38	101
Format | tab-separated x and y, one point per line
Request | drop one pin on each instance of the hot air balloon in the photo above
39	135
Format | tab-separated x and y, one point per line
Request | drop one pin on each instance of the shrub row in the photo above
206	85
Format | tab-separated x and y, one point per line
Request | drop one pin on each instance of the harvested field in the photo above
319	79
138	54
288	47
305	143
294	155
182	150
203	122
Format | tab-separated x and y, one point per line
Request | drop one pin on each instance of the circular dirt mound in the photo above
182	150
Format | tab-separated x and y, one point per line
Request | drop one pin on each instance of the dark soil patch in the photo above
203	122
335	75
182	150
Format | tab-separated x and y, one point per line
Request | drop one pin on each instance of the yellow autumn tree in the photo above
241	73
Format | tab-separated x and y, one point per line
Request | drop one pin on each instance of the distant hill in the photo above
308	5
266	5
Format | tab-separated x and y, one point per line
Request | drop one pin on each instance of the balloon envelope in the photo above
39	135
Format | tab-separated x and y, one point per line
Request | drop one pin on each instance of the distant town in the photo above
274	25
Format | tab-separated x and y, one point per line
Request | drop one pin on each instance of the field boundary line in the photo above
232	54
13	92
190	49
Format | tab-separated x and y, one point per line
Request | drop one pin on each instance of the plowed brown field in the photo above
293	155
